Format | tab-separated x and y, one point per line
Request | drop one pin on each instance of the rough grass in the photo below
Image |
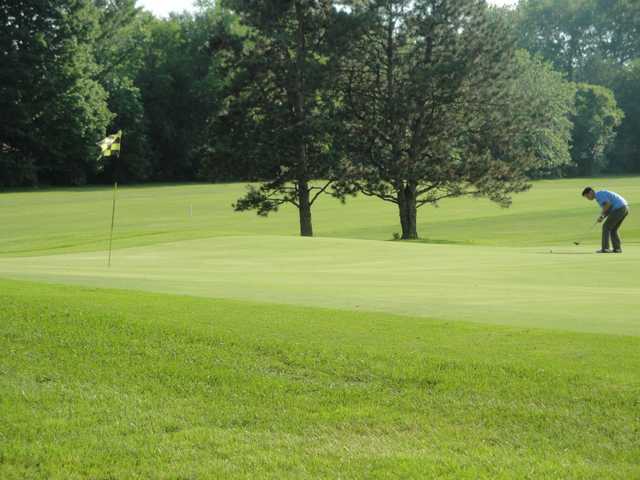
117	384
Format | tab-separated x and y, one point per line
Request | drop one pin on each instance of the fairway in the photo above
218	346
552	213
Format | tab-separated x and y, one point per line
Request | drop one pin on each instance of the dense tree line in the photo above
408	101
73	70
593	42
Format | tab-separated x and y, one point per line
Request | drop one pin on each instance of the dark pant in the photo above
611	226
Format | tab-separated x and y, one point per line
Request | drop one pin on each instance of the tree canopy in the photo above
283	85
53	107
594	42
439	105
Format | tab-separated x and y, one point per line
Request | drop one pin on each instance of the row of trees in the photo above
73	70
594	42
408	101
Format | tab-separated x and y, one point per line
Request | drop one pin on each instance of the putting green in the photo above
571	289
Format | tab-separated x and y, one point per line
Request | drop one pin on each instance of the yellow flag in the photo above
111	144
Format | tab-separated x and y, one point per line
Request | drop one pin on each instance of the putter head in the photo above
576	243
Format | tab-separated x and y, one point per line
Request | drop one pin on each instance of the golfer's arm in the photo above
605	209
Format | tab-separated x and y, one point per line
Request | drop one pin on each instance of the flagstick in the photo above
113	218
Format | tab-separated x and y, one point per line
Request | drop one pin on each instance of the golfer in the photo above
614	209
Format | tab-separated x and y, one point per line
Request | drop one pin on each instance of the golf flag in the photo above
111	144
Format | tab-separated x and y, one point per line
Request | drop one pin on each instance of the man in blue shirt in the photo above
614	209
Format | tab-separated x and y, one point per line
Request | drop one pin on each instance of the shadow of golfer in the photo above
565	253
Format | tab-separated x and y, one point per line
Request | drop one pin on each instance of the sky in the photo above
163	7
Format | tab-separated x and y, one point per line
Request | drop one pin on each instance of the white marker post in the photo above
113	219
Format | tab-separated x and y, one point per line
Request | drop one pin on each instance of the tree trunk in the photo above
407	204
304	203
586	166
304	209
407	192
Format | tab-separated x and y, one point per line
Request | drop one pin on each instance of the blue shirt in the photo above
616	201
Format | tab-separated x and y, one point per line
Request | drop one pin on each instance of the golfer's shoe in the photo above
617	250
604	250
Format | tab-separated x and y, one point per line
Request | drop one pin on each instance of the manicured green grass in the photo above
117	384
517	355
57	221
571	289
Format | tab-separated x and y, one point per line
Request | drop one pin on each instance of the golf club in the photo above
582	237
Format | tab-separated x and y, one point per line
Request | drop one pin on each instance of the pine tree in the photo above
432	107
282	87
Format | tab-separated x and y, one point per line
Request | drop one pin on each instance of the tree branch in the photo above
442	197
381	196
320	192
